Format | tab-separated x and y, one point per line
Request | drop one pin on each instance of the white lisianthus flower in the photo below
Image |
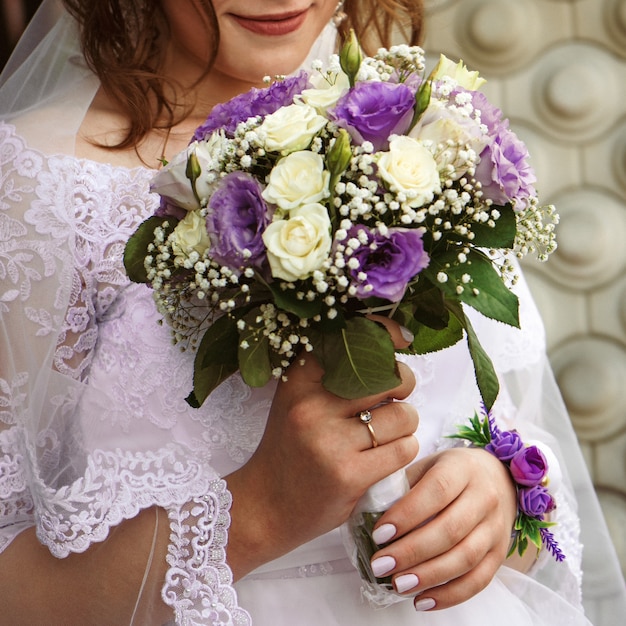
459	73
298	246
297	179
291	128
190	235
172	182
410	168
450	135
325	93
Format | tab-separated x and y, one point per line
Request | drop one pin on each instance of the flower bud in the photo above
193	170
350	57
338	157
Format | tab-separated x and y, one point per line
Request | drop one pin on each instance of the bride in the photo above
121	504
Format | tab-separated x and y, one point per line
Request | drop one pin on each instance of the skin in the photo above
315	460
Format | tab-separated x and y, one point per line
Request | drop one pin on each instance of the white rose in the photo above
451	134
172	182
298	246
410	168
190	235
299	178
325	93
458	72
291	128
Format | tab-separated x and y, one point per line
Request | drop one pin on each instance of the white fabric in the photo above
93	423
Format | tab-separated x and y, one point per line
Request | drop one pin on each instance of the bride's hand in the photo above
314	462
451	533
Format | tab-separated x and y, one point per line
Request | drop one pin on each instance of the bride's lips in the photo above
272	25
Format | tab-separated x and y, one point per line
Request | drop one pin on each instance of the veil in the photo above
46	89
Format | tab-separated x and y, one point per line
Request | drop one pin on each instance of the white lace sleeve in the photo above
198	585
93	423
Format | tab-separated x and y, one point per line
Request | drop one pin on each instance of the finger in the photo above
436	537
388	422
459	589
401	336
436	489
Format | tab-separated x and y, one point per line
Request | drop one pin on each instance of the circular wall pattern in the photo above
590	237
497	34
591	374
615	22
574	92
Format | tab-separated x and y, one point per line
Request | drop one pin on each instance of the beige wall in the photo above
557	68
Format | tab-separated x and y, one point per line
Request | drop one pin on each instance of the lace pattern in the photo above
198	584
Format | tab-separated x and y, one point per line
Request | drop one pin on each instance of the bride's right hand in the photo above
314	462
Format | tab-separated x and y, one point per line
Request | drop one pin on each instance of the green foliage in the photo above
216	359
359	360
137	246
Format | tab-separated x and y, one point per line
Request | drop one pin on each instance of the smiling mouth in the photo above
272	25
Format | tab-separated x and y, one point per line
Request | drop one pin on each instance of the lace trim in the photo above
115	487
199	583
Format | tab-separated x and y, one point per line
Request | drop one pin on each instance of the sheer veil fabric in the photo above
93	423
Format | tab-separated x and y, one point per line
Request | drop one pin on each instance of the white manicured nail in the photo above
405	582
424	605
383	565
384	533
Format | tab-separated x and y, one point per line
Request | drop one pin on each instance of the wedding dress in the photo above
94	426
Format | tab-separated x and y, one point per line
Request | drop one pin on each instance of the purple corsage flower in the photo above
505	445
372	111
387	263
236	218
535	501
529	466
255	102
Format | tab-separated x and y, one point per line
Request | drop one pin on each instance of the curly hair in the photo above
121	43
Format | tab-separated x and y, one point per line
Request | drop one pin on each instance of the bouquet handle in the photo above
357	536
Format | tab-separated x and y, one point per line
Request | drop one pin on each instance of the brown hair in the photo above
121	41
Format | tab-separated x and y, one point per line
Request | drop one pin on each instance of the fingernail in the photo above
424	605
405	582
407	335
384	533
383	565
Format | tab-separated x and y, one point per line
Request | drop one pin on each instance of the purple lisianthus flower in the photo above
372	111
228	115
528	466
236	218
503	170
505	445
387	263
535	501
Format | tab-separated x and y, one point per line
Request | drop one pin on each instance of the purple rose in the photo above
535	501
252	103
387	263
503	170
237	216
529	466
504	445
372	111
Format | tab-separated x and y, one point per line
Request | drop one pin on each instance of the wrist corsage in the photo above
532	474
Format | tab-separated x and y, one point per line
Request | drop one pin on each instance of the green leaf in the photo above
216	359
428	306
492	297
502	235
287	300
486	377
254	361
359	360
136	248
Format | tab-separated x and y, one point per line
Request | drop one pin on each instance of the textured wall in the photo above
557	68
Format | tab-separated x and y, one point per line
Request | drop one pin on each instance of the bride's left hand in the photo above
451	533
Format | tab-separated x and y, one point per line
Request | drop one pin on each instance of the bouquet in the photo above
362	187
